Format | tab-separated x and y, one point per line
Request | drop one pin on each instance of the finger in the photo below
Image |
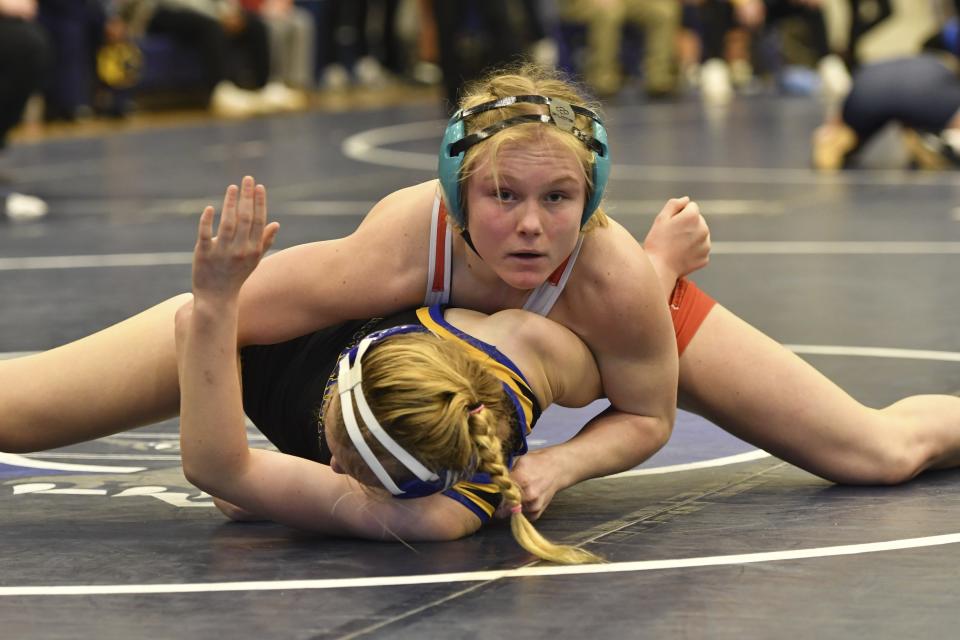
533	513
228	214
259	213
692	209
205	229
245	207
680	204
269	235
674	206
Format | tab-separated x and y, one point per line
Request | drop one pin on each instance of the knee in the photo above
657	436
892	463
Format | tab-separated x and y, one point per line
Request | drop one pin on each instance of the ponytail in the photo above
490	450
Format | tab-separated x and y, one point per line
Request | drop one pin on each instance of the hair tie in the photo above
477	409
517	508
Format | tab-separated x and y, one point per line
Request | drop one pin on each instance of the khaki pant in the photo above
660	21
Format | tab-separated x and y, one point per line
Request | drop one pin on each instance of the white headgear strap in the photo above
348	383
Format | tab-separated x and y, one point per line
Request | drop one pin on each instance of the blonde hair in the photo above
527	79
426	393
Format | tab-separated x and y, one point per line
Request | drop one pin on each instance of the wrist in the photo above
565	463
666	275
209	306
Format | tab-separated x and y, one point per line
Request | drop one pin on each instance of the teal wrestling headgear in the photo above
561	114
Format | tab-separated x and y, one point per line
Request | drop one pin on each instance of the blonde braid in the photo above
489	448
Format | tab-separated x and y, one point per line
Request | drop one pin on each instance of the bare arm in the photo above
377	270
618	309
216	456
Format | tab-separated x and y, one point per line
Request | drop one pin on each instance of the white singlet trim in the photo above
438	296
542	299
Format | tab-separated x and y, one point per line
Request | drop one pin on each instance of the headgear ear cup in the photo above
450	164
601	173
449	170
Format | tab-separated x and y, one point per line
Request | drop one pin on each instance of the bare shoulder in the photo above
613	285
404	207
400	222
378	269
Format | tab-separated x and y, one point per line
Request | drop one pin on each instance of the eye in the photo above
556	197
503	195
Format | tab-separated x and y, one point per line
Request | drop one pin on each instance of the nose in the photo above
529	218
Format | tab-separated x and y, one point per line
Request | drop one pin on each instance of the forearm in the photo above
212	427
610	443
666	276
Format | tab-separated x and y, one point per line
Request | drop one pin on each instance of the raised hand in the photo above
223	262
678	243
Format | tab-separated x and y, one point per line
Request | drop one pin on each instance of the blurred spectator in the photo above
473	35
292	51
359	42
426	68
721	17
232	42
77	28
605	19
542	49
24	58
921	93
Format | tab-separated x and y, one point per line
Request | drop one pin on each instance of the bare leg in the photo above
759	391
119	378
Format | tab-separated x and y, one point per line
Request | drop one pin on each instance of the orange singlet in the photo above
689	307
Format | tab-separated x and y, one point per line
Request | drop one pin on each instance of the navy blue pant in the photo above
919	92
75	28
24	58
243	57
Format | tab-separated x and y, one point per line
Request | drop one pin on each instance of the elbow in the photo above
201	476
195	477
215	473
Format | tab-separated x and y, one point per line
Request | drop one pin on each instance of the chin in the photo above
526	280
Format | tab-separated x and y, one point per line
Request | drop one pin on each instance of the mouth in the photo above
526	256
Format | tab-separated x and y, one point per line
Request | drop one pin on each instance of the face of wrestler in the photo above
525	219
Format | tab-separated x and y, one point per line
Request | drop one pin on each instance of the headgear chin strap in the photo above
561	114
349	380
